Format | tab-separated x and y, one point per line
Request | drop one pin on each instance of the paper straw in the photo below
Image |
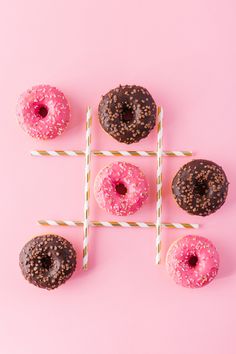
109	153
145	224
159	183
87	187
159	154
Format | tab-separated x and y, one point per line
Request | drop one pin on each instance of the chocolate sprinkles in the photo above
47	261
127	113
200	187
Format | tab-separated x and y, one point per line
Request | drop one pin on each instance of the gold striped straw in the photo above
87	187
145	224
159	183
109	153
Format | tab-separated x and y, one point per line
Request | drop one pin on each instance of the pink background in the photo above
184	52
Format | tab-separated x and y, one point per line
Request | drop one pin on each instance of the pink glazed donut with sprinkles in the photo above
192	261
120	188
43	112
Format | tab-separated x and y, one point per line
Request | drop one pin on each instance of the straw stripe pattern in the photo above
159	154
145	224
87	187
159	184
108	153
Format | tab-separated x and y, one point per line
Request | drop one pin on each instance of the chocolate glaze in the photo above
127	113
47	261
200	187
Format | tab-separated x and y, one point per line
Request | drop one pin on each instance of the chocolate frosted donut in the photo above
200	187
47	261
127	113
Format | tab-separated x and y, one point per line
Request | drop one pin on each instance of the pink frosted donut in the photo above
120	188
43	112
192	261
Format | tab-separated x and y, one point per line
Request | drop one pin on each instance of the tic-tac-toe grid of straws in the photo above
87	223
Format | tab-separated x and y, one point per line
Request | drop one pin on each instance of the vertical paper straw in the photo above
87	187
159	183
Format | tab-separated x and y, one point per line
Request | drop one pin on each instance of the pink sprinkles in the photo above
192	261
43	112
121	188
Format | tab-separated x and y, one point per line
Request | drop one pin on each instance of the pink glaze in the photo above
132	183
192	261
43	112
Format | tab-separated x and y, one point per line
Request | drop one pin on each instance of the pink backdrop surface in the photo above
184	53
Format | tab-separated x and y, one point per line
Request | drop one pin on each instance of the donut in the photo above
43	112
200	187
47	261
192	261
120	188
127	113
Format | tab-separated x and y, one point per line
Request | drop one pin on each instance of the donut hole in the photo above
127	114
121	189
46	262
192	261
42	111
200	188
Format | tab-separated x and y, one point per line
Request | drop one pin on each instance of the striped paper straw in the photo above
140	153
145	224
109	153
159	183
87	187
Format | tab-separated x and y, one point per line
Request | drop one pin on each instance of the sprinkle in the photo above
121	188
200	187
124	114
43	112
44	268
192	261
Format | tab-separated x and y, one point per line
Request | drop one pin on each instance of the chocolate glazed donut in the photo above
127	113
47	261
200	187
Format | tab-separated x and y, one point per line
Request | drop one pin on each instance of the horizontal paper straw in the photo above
109	153
145	224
